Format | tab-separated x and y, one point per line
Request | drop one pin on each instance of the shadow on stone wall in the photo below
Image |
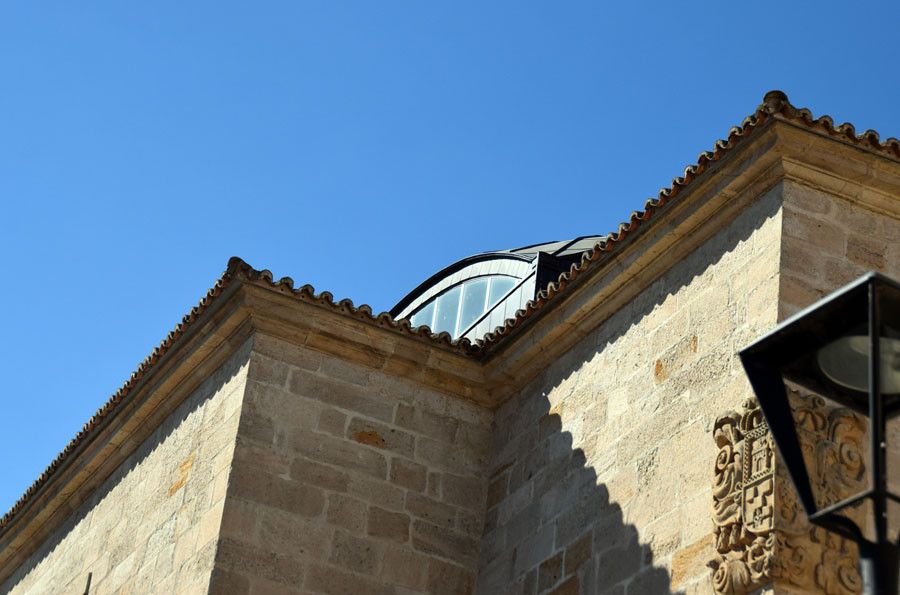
550	525
119	504
550	528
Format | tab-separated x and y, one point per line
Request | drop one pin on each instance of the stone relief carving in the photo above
761	532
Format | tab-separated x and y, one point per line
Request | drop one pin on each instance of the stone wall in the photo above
829	242
348	481
154	523
600	474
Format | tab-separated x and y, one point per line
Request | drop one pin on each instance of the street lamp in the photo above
845	349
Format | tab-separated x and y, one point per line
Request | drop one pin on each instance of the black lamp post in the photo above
846	349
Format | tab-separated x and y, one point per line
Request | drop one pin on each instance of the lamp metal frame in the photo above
789	350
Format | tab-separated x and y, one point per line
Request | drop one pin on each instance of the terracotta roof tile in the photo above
307	293
237	270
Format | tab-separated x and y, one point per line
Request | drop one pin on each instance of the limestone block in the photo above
347	513
408	474
385	524
354	553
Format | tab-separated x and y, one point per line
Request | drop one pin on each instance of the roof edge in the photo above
237	271
775	106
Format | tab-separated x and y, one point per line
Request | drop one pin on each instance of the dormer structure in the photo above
477	294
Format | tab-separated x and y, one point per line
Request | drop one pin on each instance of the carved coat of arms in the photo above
762	535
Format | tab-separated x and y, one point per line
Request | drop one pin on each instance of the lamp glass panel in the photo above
893	513
845	361
888	297
892	468
823	355
889	312
826	377
835	443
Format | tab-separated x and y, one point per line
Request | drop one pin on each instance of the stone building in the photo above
602	440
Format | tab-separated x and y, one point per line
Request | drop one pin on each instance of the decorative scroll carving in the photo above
760	528
743	501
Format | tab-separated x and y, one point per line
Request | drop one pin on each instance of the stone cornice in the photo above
858	174
429	364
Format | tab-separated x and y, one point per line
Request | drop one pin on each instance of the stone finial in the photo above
774	100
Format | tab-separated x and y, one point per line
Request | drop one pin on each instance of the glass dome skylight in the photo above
477	294
459	307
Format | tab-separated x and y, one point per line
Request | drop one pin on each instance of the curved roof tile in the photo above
775	105
237	270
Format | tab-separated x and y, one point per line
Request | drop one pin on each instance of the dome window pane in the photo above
500	286
423	316
473	302
447	306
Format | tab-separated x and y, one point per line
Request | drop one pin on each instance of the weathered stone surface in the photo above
571	587
333	422
430	510
381	436
550	571
286	533
408	474
404	567
353	553
347	491
384	524
343	454
317	474
464	491
155	521
578	553
382	493
449	579
497	490
445	543
347	513
437	427
333	391
594	461
334	581
279	492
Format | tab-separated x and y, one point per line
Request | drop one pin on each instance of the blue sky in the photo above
355	146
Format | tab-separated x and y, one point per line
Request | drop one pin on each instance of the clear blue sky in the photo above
355	146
